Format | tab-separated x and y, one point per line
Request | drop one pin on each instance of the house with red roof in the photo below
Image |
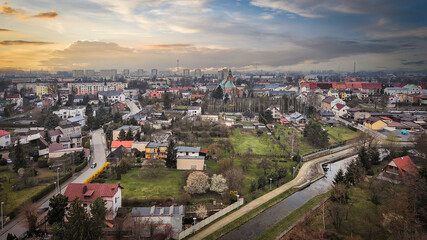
89	192
155	94
340	109
398	169
117	143
4	138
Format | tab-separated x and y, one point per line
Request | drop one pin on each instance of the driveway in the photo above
18	226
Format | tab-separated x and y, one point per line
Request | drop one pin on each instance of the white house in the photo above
194	111
395	90
4	138
111	96
159	217
70	112
88	193
275	112
340	109
187	151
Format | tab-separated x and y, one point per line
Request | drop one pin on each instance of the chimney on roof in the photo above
401	158
84	189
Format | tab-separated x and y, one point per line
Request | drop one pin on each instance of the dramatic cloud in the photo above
315	8
413	63
22	42
50	14
95	54
5	9
5	30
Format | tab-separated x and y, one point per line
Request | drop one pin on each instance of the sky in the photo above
269	35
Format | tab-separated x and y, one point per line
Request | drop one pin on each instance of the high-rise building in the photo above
95	87
140	72
153	72
78	73
108	73
198	73
126	72
222	74
89	73
186	72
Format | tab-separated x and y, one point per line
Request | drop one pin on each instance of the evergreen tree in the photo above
57	208
339	177
374	156
47	137
97	221
266	117
171	155
122	135
226	98
138	136
129	135
364	158
117	117
78	224
19	157
167	101
316	135
89	110
58	139
218	93
52	121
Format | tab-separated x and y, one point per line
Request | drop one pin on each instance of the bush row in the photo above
81	166
96	174
43	192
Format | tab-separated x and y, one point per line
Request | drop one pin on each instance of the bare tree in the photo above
154	166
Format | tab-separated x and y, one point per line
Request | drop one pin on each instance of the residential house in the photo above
118	154
55	135
119	106
374	123
395	91
70	112
297	119
194	111
329	102
188	151
111	96
194	163
326	115
358	114
131	93
340	109
161	218
248	116
155	94
89	192
210	118
412	89
117	143
412	126
70	128
275	112
126	128
78	119
4	138
140	146
156	150
398	169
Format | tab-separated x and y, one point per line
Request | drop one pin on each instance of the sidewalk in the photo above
300	178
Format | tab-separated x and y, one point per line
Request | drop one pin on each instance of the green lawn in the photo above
340	134
139	184
242	139
13	199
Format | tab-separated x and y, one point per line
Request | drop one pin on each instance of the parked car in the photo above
9	161
93	165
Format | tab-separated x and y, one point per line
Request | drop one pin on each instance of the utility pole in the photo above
177	66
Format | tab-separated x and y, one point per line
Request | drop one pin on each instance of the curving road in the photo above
18	226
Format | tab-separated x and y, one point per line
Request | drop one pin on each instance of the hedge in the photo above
96	174
39	195
81	166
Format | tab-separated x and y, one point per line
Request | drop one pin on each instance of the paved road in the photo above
134	109
18	226
299	179
262	222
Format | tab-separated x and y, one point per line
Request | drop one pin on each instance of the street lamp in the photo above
2	219
57	176
270	182
56	187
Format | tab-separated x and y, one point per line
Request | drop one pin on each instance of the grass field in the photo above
242	139
11	198
340	134
140	184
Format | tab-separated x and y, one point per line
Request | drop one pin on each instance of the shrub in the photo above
42	163
218	183
3	162
197	182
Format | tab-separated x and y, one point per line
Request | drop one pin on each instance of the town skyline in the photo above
242	35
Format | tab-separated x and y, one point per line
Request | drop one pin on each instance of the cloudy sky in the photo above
275	35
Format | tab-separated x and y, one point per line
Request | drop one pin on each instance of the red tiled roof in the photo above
371	86
339	106
204	150
94	190
3	133
118	143
405	165
385	118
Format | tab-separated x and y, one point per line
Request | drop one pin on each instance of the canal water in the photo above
257	225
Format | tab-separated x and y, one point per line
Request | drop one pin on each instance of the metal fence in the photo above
210	219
